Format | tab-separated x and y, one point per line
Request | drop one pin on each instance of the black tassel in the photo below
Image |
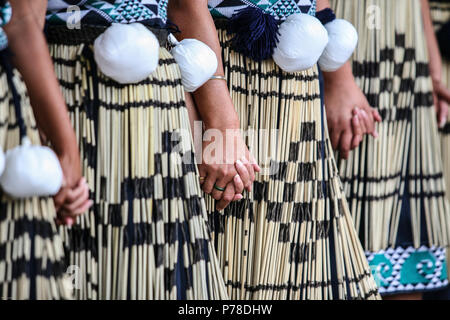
255	33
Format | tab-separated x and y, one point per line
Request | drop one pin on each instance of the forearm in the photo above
32	59
39	8
432	44
213	100
340	76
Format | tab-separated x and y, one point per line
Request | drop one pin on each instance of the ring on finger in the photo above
219	188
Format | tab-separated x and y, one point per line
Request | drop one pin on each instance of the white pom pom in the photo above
196	60
343	40
2	161
127	53
31	171
301	43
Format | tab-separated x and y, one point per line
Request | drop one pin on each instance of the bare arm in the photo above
215	108
32	59
432	44
441	94
348	112
212	99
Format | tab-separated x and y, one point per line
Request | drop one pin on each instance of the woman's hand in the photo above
76	202
215	107
226	164
441	97
73	198
349	114
31	57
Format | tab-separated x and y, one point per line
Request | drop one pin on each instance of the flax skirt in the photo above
395	185
292	237
31	250
440	13
146	237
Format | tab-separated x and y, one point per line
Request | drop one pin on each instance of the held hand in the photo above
441	97
230	194
349	116
76	203
226	160
73	198
71	168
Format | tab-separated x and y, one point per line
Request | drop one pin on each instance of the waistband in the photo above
60	34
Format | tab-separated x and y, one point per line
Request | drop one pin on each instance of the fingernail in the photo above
239	162
375	135
239	197
69	222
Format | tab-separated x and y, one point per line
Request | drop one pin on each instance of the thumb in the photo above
443	113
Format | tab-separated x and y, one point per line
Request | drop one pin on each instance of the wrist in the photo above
436	77
341	75
221	124
71	166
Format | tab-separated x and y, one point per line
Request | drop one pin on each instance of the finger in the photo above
228	196
83	208
202	174
71	206
218	194
367	120
256	166
244	174
208	185
357	132
345	144
77	192
443	113
60	198
238	197
251	173
238	184
376	115
69	221
222	183
335	136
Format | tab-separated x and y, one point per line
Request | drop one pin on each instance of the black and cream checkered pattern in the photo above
401	171
291	237
146	236
32	262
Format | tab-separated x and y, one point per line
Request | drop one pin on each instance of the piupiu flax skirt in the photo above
292	237
147	236
395	185
440	13
31	250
